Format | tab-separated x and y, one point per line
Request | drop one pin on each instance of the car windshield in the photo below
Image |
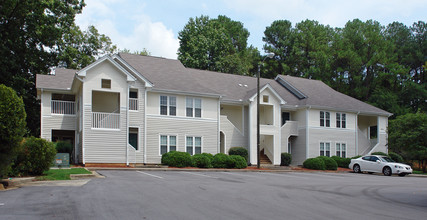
386	159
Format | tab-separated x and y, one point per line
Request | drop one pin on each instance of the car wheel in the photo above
402	174
356	168
387	171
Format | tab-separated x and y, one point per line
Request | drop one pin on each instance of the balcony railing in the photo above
62	107
105	120
133	104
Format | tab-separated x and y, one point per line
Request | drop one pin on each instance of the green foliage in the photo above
177	159
239	151
330	163
396	157
12	126
314	164
221	160
216	44
407	136
63	147
36	156
286	159
39	35
379	153
342	162
62	174
202	161
239	162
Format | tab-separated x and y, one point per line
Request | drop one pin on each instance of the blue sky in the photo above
155	24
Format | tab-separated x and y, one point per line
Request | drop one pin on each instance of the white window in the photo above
325	119
194	145
341	149
193	107
325	149
167	143
167	105
341	119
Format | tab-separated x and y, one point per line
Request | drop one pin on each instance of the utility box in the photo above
62	160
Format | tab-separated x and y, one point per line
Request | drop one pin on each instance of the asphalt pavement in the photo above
137	194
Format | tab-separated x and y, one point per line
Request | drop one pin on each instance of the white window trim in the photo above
167	105
194	145
168	145
324	144
194	107
341	120
137	99
341	143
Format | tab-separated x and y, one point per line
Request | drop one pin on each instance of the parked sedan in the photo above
379	164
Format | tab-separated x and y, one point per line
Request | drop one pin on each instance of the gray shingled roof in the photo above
62	80
320	94
171	75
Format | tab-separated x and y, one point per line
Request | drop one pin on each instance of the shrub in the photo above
342	162
314	164
36	156
286	159
208	155
379	153
396	157
177	159
330	164
202	161
12	126
222	160
355	157
63	147
241	151
239	161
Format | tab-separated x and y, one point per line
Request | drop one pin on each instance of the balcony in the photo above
62	107
105	120
133	104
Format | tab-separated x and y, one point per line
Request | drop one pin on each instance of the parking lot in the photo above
222	195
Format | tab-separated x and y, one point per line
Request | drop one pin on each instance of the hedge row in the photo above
204	160
320	163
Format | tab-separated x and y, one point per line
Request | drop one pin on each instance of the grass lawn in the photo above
62	174
418	172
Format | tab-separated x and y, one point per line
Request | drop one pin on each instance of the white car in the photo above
379	164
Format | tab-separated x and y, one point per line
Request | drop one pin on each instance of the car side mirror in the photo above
378	161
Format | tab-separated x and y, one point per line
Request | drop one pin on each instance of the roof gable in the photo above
267	86
106	58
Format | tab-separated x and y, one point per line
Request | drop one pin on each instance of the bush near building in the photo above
241	151
286	159
12	126
314	164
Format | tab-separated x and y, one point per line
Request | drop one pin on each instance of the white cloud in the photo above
131	32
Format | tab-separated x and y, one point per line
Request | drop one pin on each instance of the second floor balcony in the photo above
63	107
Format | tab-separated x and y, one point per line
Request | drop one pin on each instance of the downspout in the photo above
41	113
307	133
219	128
145	126
127	126
357	133
83	125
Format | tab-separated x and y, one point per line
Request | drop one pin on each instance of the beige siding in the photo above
298	148
233	136
234	114
137	119
209	105
332	136
156	126
105	145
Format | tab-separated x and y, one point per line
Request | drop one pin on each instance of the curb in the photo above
14	183
94	174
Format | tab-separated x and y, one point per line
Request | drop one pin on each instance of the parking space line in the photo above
198	174
239	174
150	174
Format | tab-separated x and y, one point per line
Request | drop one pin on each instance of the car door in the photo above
365	163
374	165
